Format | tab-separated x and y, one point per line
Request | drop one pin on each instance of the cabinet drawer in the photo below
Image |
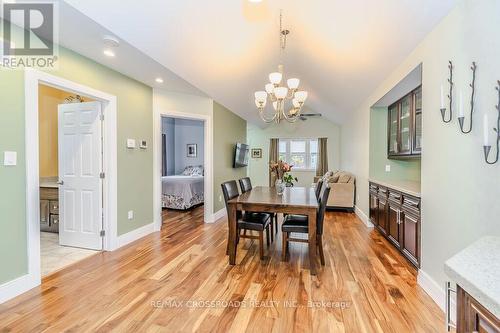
54	223
395	197
382	191
54	207
48	193
411	204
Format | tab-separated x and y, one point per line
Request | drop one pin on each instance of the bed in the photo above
183	191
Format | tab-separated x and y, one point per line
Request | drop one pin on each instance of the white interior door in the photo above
80	199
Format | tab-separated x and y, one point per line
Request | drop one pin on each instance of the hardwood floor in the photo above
153	285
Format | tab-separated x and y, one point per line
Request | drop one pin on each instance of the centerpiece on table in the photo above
283	177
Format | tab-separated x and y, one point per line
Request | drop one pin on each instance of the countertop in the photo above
406	186
476	269
49	182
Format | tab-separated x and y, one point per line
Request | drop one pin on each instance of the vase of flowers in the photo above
281	170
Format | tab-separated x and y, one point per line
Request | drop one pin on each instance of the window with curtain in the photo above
301	153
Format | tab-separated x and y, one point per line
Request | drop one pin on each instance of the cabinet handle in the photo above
448	290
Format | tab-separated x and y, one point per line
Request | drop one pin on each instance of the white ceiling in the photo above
340	49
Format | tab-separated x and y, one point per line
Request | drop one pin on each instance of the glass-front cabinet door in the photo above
405	125
393	147
417	137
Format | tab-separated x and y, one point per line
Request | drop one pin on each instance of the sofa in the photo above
343	189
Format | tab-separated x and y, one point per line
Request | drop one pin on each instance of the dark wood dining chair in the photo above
299	224
247	221
319	186
245	186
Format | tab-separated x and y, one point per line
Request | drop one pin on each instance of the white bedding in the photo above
182	192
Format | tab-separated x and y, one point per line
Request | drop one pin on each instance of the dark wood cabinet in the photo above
396	216
404	126
393	224
473	317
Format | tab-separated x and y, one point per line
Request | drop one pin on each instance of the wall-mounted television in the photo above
241	153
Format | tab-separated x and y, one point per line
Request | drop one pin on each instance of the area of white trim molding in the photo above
436	292
136	234
17	286
217	215
32	78
208	180
363	217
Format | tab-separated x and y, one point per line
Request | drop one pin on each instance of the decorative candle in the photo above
486	134
442	97
461	105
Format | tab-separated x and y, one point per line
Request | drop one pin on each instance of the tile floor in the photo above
55	257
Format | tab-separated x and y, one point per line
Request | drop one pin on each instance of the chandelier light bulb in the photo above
260	96
293	83
301	96
269	88
275	77
280	92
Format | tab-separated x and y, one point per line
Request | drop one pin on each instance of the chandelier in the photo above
279	93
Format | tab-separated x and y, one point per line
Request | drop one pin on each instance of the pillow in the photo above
188	171
344	178
197	171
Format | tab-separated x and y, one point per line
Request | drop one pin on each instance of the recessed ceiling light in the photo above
159	80
255	1
109	53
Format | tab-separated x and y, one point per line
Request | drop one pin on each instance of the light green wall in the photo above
13	242
135	181
229	129
312	128
400	169
459	190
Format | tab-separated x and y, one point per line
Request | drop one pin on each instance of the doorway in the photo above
33	78
182	166
70	154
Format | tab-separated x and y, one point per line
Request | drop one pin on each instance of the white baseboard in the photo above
17	287
436	292
363	217
216	216
136	234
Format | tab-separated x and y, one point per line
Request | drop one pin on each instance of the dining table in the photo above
293	200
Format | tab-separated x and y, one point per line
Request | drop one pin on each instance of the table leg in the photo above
232	234
312	241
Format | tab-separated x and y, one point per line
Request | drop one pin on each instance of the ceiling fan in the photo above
304	116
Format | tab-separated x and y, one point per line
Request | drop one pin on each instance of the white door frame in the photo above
32	79
208	172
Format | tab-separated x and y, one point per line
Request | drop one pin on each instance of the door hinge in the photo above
102	233
102	175
101	116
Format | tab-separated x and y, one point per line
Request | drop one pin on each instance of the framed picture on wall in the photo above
192	150
256	153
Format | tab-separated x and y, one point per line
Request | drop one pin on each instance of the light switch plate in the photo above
388	168
130	143
130	214
10	158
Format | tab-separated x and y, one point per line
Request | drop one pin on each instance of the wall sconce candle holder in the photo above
472	85
450	95
487	148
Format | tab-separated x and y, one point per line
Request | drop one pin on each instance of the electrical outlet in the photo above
388	168
130	214
220	198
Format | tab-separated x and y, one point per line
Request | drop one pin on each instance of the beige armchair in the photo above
343	189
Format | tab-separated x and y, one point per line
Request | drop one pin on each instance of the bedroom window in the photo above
301	153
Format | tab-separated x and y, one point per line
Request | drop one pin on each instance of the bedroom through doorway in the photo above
182	167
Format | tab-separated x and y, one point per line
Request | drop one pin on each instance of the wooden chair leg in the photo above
320	247
267	236
276	223
284	246
261	245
